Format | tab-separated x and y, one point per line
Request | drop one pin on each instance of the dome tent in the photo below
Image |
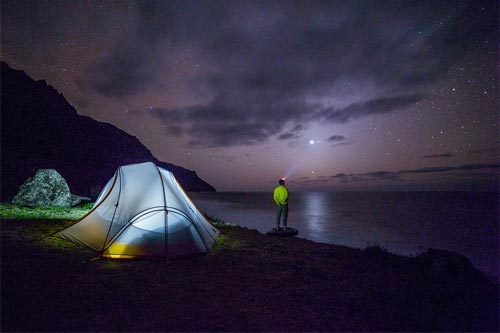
143	212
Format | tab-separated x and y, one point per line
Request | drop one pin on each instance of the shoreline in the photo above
407	225
378	247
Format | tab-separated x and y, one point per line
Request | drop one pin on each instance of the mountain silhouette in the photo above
40	130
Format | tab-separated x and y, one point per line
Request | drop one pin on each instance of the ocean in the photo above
406	223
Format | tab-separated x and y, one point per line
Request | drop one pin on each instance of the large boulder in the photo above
46	188
446	265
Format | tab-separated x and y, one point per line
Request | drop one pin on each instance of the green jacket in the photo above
281	195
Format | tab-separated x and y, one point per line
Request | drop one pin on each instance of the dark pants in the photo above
282	210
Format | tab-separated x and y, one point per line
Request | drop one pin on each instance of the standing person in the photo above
281	199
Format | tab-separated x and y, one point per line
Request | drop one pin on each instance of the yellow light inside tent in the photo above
119	256
118	250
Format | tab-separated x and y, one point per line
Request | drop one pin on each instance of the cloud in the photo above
294	133
343	143
289	135
120	75
370	107
395	175
382	175
336	138
225	122
465	167
216	125
446	155
266	68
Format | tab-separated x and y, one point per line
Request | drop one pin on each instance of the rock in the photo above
446	263
46	188
283	232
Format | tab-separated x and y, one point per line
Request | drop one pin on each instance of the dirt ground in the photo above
248	282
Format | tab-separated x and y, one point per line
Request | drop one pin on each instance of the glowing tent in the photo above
143	212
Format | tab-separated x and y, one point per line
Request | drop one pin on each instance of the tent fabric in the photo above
143	212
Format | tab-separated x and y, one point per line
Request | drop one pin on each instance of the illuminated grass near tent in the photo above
9	211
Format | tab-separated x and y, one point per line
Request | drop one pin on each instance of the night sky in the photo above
334	95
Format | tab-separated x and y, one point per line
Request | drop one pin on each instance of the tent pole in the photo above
166	214
166	235
119	176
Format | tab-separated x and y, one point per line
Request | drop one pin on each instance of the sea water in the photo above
406	223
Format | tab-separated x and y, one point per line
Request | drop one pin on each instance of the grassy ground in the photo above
249	282
9	211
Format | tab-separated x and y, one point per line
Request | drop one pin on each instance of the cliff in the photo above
40	129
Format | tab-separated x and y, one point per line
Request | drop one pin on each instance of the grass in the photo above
218	222
248	282
9	211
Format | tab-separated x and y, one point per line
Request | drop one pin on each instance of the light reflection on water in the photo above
402	222
314	221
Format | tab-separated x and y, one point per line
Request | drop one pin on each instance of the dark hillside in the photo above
40	129
249	282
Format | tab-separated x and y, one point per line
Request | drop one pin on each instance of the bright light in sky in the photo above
311	142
